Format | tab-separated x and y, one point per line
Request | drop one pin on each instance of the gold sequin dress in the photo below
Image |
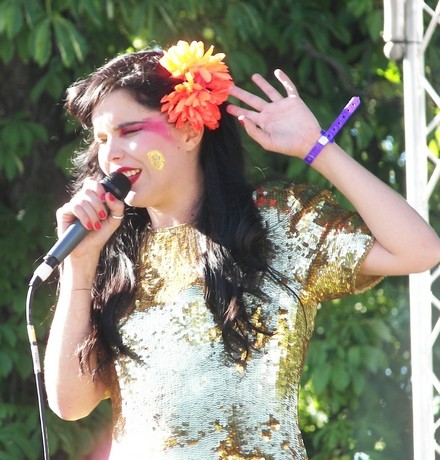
183	399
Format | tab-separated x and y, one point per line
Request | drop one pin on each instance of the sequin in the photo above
183	399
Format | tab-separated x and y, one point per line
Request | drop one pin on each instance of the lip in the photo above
131	173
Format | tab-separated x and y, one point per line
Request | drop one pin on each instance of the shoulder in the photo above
290	198
316	239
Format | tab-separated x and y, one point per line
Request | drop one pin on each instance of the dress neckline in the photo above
171	228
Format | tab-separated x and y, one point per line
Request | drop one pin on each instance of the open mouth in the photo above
131	174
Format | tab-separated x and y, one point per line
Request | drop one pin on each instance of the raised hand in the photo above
282	124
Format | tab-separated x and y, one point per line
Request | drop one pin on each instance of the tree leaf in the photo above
6	50
62	41
380	329
354	356
69	42
13	19
358	382
340	378
5	363
374	358
41	41
321	377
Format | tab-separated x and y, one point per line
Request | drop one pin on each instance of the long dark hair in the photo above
238	247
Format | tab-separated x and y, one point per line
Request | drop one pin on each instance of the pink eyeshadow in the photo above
157	126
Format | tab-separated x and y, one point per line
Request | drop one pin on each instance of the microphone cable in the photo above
37	368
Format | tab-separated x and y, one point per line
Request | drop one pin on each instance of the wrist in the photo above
78	273
317	148
328	137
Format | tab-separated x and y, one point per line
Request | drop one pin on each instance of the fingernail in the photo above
89	226
102	214
97	226
102	197
241	119
111	197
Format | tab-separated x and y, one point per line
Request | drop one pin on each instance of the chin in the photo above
132	200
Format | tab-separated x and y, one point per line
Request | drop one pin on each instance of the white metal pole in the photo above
416	182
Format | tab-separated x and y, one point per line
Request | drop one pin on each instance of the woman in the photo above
191	304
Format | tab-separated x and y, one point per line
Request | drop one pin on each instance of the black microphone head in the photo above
117	184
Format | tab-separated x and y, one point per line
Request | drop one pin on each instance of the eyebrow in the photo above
129	123
123	125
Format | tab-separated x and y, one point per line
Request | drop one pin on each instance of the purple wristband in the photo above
329	135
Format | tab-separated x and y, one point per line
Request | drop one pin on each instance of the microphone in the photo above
118	185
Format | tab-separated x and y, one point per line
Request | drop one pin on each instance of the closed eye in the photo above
130	129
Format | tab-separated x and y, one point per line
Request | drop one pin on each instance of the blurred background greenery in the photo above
356	397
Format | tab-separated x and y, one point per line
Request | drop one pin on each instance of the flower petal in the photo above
205	84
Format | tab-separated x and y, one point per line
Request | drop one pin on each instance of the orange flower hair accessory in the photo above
205	85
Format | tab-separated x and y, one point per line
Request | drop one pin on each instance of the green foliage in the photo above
17	134
356	370
76	439
18	437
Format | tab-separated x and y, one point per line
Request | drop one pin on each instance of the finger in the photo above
286	82
234	110
240	111
115	207
95	193
254	131
69	213
248	98
87	214
87	206
105	205
65	218
267	88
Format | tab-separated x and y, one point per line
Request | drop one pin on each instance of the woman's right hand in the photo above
97	210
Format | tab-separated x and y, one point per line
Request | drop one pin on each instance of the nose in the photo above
111	151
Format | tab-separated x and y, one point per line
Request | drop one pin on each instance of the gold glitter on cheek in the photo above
156	158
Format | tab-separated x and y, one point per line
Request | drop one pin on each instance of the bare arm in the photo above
71	393
405	243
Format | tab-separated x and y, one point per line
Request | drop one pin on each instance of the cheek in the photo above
102	163
147	141
156	159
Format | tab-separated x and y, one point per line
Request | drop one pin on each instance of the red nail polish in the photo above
97	226
102	197
111	197
89	226
241	120
102	214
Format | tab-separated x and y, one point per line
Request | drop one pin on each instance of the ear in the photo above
191	138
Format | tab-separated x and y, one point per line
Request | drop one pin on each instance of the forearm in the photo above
405	243
71	393
409	243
